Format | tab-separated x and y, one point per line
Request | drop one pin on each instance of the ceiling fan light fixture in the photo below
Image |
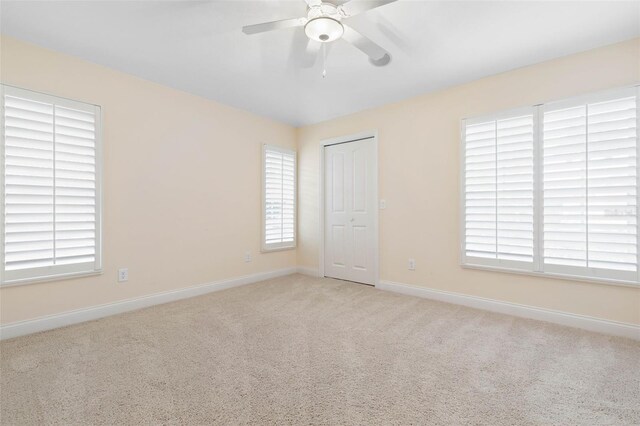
324	29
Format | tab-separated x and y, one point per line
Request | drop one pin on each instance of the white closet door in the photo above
350	201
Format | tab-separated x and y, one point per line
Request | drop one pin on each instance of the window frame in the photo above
264	247
53	272
537	268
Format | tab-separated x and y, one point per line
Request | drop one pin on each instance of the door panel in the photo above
360	247
359	181
337	182
337	254
350	203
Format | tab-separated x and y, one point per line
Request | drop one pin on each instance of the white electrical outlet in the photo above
412	264
123	275
247	257
383	204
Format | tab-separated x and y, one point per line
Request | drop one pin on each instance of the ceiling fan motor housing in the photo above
324	23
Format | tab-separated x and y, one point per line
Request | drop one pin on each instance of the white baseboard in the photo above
312	272
50	322
558	317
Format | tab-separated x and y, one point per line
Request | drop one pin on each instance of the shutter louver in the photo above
499	189
612	185
28	177
279	197
75	186
50	186
515	188
565	187
480	190
589	186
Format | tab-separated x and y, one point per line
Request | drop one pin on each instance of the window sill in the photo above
274	249
50	278
554	275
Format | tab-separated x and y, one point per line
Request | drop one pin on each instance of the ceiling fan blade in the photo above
275	25
312	3
377	55
355	7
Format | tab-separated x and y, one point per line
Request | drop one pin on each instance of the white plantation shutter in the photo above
590	187
28	184
553	189
480	190
498	189
50	185
279	198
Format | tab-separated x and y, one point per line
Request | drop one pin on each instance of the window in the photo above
51	187
279	198
552	189
589	170
499	189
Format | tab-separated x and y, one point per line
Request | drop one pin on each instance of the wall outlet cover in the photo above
412	264
123	274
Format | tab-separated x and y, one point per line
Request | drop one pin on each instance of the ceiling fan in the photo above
323	24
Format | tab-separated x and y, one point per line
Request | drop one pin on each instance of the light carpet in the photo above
301	350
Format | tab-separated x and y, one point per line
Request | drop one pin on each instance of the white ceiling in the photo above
198	46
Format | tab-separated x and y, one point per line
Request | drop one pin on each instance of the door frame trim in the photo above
373	135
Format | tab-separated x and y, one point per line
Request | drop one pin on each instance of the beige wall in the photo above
182	177
182	183
419	178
